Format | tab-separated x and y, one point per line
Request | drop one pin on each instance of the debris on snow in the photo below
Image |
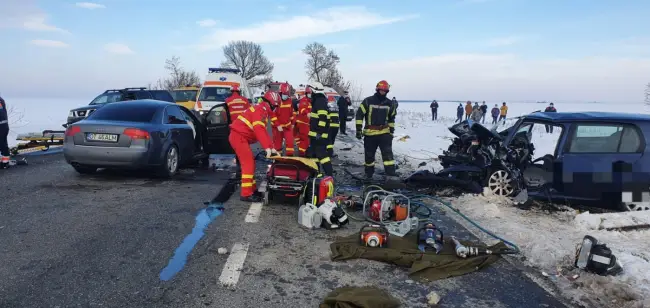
222	251
433	298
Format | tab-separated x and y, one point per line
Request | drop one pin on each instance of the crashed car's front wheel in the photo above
500	183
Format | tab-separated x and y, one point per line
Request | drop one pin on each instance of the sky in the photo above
493	50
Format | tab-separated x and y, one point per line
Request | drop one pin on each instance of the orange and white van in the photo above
216	88
332	95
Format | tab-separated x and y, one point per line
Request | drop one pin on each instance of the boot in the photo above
251	198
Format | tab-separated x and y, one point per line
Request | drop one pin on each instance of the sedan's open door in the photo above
217	130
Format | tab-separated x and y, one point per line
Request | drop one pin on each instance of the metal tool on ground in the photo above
333	216
309	216
463	251
430	236
374	235
390	209
596	258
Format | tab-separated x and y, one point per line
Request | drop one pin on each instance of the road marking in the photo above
254	212
234	265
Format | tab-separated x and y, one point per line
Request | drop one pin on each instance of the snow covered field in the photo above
548	241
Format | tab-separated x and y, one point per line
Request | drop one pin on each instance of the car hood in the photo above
474	128
89	107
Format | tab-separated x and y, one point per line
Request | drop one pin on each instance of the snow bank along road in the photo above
73	241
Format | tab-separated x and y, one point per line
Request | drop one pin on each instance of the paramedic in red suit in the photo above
302	122
247	129
282	121
236	103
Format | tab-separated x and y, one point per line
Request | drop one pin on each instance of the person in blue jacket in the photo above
459	113
4	132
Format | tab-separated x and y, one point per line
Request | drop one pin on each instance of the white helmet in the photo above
317	87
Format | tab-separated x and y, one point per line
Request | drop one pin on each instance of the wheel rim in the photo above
172	160
499	183
632	207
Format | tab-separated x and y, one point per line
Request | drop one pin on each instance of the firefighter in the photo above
344	102
282	121
334	127
379	113
319	127
4	132
247	129
236	103
302	122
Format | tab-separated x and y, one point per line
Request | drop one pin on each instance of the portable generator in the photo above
391	210
430	236
374	236
318	189
333	216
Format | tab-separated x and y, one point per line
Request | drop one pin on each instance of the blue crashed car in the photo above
600	158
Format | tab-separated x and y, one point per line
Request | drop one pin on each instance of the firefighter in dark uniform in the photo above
334	126
379	113
319	128
4	132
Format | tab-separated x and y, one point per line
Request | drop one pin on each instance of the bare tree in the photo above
178	76
16	117
322	65
249	58
647	94
356	92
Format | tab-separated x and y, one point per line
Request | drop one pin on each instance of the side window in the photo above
162	96
173	115
608	138
102	99
217	116
142	94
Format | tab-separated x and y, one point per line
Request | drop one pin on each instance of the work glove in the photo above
280	128
271	152
359	135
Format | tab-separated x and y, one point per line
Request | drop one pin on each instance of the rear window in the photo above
605	138
216	94
185	95
107	98
125	112
162	96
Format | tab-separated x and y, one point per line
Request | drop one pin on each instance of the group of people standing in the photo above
474	112
314	124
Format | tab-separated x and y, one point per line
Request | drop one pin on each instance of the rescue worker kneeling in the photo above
282	121
379	114
302	122
319	126
247	129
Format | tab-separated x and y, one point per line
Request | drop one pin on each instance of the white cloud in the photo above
281	8
39	23
48	43
504	41
206	23
25	14
117	48
509	77
331	20
90	5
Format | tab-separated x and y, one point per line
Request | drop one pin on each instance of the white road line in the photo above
254	212
234	265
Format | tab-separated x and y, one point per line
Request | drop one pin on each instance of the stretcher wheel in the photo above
301	199
47	147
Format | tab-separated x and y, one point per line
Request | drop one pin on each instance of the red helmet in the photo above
272	98
383	86
235	88
285	89
308	90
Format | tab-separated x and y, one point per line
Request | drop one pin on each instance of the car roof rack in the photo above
126	89
223	70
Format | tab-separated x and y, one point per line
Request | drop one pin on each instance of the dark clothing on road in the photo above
434	110
344	103
385	144
379	115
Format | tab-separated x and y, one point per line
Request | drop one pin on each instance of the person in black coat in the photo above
4	132
459	113
550	108
344	102
434	110
483	112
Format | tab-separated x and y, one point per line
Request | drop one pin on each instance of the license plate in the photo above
102	137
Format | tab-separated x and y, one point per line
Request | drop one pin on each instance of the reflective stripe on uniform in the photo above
259	123
325	160
298	121
247	184
363	108
372	132
247	176
245	122
359	122
389	162
369	164
313	115
322	123
391	124
335	125
330	146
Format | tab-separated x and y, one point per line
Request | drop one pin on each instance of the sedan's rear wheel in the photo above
81	169
171	162
633	207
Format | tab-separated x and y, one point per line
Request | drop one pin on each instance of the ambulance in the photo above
216	88
332	95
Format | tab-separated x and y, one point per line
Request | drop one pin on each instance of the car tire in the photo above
496	183
633	207
81	169
171	162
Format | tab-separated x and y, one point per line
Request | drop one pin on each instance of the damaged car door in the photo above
217	130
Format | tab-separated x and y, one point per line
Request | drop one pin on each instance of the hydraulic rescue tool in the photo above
430	237
333	216
309	216
391	210
374	236
596	258
463	251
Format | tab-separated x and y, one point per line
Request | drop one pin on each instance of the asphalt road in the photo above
68	240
